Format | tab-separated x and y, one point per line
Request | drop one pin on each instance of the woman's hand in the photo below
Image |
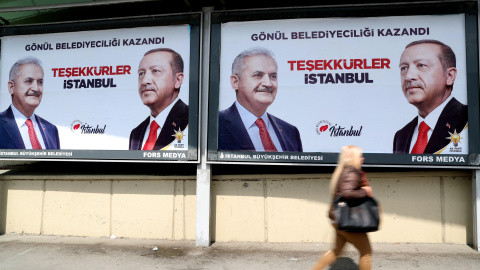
369	191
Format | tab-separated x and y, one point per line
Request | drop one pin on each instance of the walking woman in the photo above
348	181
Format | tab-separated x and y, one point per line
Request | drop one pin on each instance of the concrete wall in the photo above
427	207
150	207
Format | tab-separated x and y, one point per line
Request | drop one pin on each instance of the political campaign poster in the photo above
95	94
322	83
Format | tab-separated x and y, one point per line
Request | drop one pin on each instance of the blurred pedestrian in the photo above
350	182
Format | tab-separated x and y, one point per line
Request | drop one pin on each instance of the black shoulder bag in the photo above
358	215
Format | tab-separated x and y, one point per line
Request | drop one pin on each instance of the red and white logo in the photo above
322	126
75	126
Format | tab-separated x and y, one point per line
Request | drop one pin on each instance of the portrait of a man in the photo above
20	127
246	125
160	76
428	71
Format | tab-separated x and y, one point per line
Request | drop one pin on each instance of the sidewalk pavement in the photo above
58	252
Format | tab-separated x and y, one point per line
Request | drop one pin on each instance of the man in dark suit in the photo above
246	126
160	75
20	127
428	71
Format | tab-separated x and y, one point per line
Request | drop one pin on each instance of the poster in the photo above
339	81
91	91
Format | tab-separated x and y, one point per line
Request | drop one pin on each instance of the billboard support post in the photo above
476	189
204	172
476	209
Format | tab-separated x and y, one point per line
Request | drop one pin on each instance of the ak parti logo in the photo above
322	126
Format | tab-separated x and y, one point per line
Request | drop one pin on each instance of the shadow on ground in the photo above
344	263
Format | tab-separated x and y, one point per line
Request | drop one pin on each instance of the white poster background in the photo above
119	108
380	108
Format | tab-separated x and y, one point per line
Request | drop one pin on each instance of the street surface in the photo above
57	252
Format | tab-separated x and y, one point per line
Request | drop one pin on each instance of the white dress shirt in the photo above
431	120
160	119
249	119
20	119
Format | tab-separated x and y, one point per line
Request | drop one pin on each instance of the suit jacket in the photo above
455	114
177	118
233	136
10	137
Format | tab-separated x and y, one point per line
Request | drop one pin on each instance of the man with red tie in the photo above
428	71
246	126
20	127
160	75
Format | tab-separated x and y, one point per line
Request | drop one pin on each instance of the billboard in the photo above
321	83
94	93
